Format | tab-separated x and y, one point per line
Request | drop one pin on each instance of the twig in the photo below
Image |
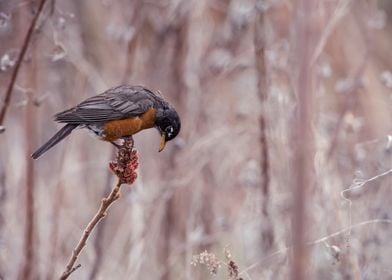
356	185
19	62
267	231
105	204
317	241
338	14
125	168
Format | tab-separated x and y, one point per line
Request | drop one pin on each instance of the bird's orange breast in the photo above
114	130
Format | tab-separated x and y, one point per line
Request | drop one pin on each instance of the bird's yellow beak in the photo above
163	142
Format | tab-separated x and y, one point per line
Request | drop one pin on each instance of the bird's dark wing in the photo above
114	104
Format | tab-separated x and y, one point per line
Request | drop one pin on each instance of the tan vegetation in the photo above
284	157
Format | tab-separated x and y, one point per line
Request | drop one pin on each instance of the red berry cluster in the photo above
126	164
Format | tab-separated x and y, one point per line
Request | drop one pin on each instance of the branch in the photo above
105	204
124	167
19	62
284	250
259	40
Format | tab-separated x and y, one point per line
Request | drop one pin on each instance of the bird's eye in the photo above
169	131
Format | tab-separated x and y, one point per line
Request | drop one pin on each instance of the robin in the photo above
118	113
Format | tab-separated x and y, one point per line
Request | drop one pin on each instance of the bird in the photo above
118	113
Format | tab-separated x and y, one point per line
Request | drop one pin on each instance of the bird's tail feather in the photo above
60	135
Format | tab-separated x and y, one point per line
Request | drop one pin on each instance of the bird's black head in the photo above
169	125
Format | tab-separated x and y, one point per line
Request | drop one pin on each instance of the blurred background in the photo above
226	182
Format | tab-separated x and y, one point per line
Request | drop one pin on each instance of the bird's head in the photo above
169	125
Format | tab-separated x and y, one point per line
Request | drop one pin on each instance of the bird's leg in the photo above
116	145
128	140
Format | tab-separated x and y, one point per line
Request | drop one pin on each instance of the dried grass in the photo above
230	67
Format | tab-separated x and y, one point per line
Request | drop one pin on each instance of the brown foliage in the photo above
279	118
